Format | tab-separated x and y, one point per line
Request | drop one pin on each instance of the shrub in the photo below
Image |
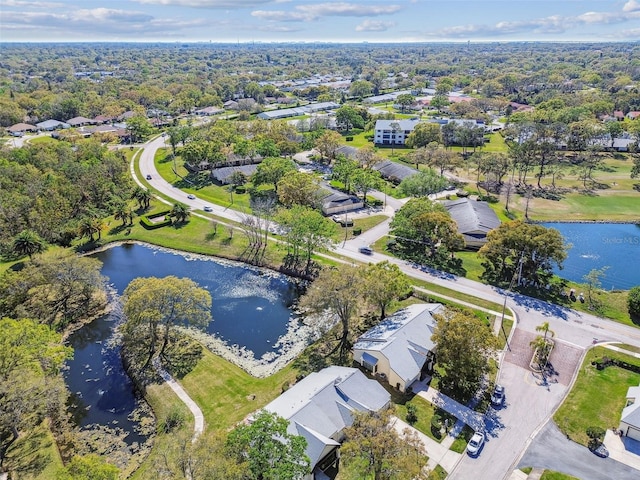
357	230
175	419
349	139
412	414
633	301
149	225
595	434
240	189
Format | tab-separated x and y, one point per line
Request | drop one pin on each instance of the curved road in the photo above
529	404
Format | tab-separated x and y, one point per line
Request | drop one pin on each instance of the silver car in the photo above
475	444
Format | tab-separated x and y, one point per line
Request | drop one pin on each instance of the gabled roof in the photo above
338	199
389	169
77	121
21	127
47	124
472	215
319	406
631	413
404	338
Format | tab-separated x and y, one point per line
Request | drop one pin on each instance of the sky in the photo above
357	21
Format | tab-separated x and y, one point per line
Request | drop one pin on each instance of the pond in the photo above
598	245
253	326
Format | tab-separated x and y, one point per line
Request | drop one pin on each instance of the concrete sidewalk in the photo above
438	453
464	414
621	350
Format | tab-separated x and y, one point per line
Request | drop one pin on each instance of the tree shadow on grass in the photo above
118	229
30	458
194	180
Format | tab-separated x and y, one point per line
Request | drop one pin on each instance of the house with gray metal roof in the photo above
52	125
400	348
630	421
320	406
337	202
475	220
394	172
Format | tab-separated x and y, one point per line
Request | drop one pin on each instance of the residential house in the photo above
475	219
400	348
320	407
336	203
230	105
80	121
223	175
394	172
393	132
208	111
100	119
126	115
50	125
630	421
633	115
618	115
20	129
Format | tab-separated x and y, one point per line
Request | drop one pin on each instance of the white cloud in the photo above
374	26
26	3
224	4
553	24
311	12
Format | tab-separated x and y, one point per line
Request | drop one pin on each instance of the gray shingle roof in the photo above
472	216
631	413
394	171
319	406
223	174
404	338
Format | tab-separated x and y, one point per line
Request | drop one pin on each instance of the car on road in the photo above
191	196
497	397
148	177
601	451
208	208
475	444
366	250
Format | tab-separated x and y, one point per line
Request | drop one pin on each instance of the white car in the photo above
191	196
475	444
208	208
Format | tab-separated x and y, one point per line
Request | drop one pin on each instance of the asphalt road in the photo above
529	405
552	450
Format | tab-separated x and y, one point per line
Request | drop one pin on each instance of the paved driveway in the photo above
551	449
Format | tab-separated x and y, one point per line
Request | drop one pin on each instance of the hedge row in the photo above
602	363
149	225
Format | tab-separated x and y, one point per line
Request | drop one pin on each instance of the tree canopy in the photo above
464	345
271	452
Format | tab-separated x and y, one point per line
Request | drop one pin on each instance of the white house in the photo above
630	421
393	132
319	408
400	347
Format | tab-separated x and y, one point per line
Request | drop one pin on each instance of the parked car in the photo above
208	208
191	196
366	250
497	397
148	177
475	444
601	451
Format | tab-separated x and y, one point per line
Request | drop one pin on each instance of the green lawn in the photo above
34	456
365	223
551	475
202	186
425	411
459	445
598	396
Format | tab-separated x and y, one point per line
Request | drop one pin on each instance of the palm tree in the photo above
142	196
180	212
28	242
123	212
544	327
89	226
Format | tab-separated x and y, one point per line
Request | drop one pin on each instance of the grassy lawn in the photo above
202	186
365	223
459	445
598	396
227	394
425	411
551	475
438	473
34	456
471	263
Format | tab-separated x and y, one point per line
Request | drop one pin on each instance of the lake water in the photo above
597	245
251	315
